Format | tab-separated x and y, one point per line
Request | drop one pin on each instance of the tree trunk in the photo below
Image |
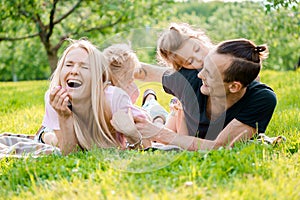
52	59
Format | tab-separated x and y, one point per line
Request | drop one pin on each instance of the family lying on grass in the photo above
90	101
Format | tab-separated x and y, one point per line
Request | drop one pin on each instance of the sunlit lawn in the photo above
248	171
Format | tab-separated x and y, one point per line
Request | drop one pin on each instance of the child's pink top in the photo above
118	98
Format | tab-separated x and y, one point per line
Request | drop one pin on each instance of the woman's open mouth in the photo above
74	83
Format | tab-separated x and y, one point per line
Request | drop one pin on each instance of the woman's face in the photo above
192	53
75	75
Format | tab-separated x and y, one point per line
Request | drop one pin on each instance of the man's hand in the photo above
148	129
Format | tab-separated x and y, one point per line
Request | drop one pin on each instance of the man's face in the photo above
212	74
191	54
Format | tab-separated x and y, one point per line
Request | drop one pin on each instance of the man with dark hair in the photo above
231	104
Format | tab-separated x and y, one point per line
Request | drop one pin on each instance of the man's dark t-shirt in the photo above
255	108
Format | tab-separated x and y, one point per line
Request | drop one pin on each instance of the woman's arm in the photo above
67	141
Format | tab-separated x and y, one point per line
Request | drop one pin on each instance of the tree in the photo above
280	3
279	28
54	21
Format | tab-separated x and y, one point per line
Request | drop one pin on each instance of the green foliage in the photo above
140	24
53	21
279	29
248	171
28	63
281	3
142	41
199	8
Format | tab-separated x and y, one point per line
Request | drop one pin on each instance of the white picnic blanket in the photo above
16	146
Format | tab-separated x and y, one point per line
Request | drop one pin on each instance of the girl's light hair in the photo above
99	132
173	38
120	59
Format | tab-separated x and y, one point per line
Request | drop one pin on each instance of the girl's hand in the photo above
59	101
175	104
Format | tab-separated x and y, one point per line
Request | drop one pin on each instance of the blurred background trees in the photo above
32	32
278	28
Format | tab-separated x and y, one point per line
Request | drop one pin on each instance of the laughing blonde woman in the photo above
82	100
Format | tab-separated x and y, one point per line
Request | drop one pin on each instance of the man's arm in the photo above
233	132
150	73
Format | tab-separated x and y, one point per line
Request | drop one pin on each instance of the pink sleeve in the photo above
51	117
135	92
121	101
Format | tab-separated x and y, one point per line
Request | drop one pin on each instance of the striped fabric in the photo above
21	145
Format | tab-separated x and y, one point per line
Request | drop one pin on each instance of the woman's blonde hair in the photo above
120	57
100	133
173	38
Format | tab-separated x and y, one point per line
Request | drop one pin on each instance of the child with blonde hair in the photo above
122	64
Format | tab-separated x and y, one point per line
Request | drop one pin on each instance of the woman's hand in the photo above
123	123
66	137
59	101
134	127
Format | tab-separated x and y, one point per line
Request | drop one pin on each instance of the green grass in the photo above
248	171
